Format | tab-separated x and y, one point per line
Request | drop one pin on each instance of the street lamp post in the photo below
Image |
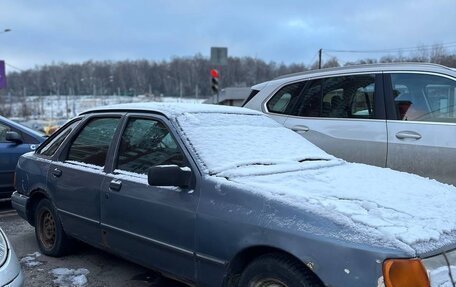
180	86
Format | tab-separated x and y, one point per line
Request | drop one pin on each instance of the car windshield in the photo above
225	141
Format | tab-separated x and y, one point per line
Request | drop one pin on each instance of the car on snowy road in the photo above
223	196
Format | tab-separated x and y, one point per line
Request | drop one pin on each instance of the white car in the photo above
401	115
10	269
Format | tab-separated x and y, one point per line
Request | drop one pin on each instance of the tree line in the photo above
186	77
178	77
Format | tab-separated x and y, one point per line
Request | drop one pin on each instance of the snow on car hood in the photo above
414	214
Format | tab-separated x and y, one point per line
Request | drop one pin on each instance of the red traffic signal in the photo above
214	73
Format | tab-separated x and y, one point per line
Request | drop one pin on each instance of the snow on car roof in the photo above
171	110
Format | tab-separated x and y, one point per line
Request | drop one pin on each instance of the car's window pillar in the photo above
380	111
390	106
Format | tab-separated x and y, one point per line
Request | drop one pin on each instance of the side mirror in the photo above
12	136
170	175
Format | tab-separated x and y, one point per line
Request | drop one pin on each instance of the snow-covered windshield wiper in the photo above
313	159
244	165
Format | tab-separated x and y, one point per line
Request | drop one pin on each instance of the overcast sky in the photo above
281	31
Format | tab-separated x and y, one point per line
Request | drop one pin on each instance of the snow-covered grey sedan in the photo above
219	196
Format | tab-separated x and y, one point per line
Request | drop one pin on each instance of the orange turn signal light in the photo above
405	273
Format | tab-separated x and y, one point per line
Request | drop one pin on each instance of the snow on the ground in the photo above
65	277
55	106
253	152
31	260
440	277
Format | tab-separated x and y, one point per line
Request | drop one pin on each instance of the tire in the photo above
278	270
49	233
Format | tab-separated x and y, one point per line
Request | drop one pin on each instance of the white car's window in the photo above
335	97
146	143
421	97
340	97
284	100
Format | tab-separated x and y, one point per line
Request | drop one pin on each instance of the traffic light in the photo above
215	81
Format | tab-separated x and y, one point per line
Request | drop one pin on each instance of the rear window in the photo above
251	95
284	101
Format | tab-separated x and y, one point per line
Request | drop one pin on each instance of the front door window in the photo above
422	97
146	143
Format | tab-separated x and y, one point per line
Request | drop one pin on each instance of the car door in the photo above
74	180
343	115
152	225
9	155
422	124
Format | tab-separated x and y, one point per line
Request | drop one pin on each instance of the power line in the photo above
14	67
313	59
332	56
405	49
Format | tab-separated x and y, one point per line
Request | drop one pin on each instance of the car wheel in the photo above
277	270
49	233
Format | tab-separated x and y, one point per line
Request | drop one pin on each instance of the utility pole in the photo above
319	58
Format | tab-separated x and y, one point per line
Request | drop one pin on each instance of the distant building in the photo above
230	96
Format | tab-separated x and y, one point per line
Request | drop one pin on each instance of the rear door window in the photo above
92	143
338	97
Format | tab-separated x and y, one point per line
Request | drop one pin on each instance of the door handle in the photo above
57	172
299	129
115	185
408	135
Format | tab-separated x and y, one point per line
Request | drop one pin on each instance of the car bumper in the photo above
17	282
19	203
10	272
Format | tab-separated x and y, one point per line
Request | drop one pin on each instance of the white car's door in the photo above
343	115
422	127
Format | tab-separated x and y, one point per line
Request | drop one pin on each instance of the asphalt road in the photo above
104	269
